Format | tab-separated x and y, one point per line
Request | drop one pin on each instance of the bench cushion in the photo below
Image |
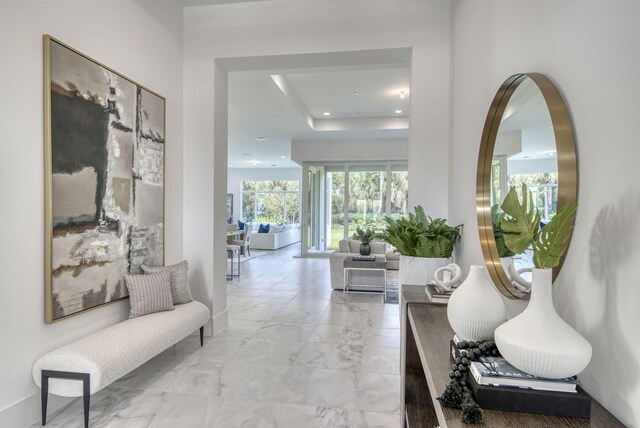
109	354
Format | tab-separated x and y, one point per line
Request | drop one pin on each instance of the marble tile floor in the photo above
295	355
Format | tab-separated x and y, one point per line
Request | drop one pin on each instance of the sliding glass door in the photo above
341	197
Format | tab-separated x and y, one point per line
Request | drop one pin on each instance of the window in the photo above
544	189
271	201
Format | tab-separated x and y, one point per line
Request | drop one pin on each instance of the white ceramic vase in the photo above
419	270
538	341
475	309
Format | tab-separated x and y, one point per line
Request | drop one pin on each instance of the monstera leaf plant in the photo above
521	229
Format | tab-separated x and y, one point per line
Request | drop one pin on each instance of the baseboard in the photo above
220	322
26	412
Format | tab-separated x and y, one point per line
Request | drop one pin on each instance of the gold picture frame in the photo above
104	156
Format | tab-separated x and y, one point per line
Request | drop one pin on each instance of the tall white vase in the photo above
475	309
538	341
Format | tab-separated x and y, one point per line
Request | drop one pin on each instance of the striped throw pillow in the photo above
149	293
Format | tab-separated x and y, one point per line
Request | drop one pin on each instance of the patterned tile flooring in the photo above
295	355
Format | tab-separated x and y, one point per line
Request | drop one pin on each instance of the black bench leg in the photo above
44	396
86	397
44	391
202	331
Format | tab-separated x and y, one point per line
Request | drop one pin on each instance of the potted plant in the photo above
365	236
424	244
538	341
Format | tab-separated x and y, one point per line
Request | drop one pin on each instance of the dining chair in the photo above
231	252
245	242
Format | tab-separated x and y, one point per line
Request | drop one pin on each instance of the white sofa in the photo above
278	236
351	247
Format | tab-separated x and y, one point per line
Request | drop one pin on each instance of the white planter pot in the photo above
419	270
538	341
475	309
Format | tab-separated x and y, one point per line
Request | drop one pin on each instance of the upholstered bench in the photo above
107	355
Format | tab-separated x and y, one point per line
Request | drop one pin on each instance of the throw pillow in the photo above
149	293
240	225
264	228
180	292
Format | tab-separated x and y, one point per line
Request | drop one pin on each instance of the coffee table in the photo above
379	265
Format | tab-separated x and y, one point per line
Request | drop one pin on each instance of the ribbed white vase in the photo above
538	341
475	309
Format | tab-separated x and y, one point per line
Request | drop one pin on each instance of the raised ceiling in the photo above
286	105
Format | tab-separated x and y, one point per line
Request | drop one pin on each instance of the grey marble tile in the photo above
294	332
376	420
335	356
194	375
378	393
345	318
254	314
242	328
306	316
337	334
380	360
281	415
307	304
236	413
149	372
289	286
123	407
267	351
388	338
318	387
221	348
247	381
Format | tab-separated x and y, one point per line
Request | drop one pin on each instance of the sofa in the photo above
279	236
360	279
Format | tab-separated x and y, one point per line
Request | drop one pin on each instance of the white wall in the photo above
349	150
141	39
589	48
236	176
282	27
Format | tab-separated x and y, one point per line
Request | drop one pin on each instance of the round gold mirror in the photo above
527	139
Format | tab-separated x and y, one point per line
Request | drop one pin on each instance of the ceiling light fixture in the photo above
356	93
326	113
273	164
398	111
261	138
283	157
246	154
254	162
402	94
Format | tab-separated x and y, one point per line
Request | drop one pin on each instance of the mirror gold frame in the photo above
567	169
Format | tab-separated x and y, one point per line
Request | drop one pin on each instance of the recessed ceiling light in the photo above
326	113
273	164
356	93
398	111
283	157
254	162
261	138
246	154
402	94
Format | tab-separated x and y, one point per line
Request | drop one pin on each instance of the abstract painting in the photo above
104	189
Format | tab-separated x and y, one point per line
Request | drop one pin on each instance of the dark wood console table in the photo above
425	370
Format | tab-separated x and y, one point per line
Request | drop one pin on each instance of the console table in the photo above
425	367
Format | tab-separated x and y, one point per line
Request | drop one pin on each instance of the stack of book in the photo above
496	371
437	295
371	258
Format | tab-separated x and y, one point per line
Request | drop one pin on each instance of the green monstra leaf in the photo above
522	225
554	238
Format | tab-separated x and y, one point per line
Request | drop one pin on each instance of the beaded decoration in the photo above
457	394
